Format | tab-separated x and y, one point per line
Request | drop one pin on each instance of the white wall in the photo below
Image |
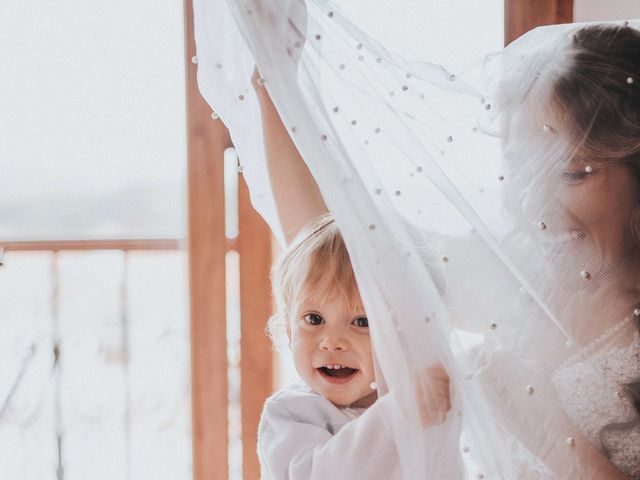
590	10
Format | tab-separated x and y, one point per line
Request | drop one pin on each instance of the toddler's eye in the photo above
313	319
361	322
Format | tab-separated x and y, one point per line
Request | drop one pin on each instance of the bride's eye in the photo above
313	319
361	322
574	176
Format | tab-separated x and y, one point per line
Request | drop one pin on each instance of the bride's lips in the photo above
554	237
337	376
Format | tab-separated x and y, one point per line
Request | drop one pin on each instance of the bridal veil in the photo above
463	194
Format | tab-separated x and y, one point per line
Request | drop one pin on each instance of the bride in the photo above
570	135
522	176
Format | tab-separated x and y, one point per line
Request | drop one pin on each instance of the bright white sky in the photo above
92	122
433	30
92	107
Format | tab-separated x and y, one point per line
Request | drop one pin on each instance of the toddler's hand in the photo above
433	397
256	81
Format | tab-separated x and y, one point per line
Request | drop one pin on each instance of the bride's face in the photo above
582	206
599	200
585	207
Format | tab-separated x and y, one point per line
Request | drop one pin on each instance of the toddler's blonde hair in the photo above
316	262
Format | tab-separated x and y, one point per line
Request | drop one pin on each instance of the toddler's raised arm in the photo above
298	199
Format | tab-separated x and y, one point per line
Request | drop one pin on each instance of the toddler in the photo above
333	426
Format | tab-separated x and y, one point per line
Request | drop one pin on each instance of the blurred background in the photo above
94	304
134	286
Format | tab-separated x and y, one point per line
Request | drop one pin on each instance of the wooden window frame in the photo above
520	16
208	246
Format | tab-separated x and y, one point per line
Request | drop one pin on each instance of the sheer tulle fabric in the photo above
453	188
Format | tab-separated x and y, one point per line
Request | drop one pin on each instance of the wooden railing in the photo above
210	394
51	327
60	245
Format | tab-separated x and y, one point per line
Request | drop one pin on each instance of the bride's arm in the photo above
539	421
298	199
599	467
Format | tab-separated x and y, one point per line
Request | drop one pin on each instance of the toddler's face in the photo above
332	351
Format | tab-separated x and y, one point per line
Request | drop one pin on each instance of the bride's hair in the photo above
589	84
599	90
599	93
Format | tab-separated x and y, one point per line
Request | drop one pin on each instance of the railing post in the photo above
256	358
206	142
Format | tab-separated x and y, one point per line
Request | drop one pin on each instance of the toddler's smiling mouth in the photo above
336	373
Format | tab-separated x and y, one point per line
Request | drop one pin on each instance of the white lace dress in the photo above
588	385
